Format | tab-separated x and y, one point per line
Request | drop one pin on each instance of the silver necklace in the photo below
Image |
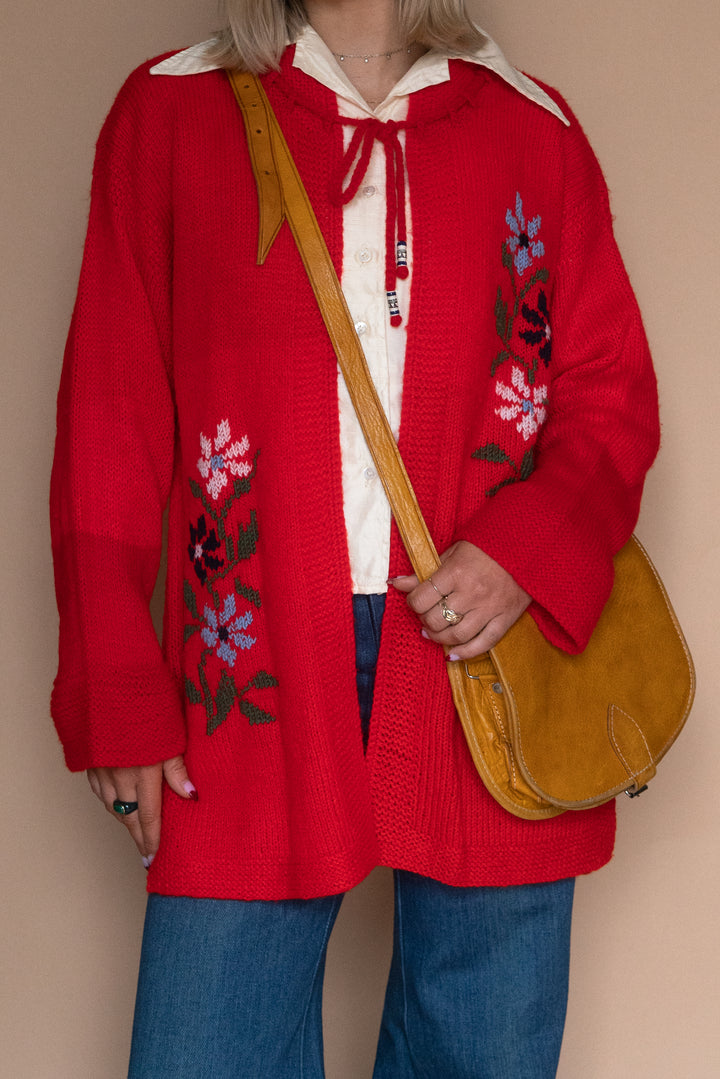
366	57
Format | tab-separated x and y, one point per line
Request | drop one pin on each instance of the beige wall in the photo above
643	77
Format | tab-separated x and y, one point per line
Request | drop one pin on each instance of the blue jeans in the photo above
232	989
477	987
368	615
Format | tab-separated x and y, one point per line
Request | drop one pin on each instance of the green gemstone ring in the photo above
124	808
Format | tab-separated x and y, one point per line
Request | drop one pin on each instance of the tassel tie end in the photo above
353	168
401	260
394	309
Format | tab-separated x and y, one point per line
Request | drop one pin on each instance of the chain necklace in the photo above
366	57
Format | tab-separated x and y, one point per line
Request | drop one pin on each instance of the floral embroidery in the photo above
525	403
228	471
539	317
522	243
496	454
201	549
219	456
219	631
508	310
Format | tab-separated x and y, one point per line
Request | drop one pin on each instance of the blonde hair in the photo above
256	32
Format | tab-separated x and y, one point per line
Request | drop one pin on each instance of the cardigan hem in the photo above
482	866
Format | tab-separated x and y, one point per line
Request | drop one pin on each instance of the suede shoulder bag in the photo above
547	731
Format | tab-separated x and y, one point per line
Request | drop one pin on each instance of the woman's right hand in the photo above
143	785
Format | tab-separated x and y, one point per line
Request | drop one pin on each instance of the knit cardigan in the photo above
195	379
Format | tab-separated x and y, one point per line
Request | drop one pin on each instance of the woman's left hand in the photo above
474	586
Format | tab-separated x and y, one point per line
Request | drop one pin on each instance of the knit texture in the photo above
191	375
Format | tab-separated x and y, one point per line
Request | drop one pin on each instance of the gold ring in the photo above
443	595
450	616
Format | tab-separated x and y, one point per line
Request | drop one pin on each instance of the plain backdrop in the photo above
643	77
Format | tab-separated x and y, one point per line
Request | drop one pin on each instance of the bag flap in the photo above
586	727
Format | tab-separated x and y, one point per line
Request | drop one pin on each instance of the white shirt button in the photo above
369	191
361	328
369	474
364	255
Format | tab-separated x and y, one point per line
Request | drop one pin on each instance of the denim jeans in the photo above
232	989
368	614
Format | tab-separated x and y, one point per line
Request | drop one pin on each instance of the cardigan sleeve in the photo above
115	702
558	531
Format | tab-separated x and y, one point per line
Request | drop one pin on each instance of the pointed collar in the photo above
314	58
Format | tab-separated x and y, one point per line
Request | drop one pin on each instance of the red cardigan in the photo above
193	376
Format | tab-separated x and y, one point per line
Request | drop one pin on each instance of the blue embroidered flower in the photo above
522	243
201	547
223	630
539	318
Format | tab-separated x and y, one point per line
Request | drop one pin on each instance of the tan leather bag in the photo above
547	731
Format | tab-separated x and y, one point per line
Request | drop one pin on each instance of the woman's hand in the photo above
474	586
144	786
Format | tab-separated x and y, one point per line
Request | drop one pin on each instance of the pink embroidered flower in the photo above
220	456
526	404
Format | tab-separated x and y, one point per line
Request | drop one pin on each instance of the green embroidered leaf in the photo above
189	630
499	486
193	693
540	275
499	360
501	315
229	549
491	452
221	526
528	465
506	257
247	539
190	602
242	487
254	714
196	489
248	593
263	680
207	695
224	701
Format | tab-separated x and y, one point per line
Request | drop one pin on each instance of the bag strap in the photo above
281	194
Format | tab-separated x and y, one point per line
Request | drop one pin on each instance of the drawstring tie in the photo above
359	151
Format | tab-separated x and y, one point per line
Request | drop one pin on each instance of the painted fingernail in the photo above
452	657
424	633
148	861
190	790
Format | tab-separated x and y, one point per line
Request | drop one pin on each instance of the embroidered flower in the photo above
526	404
539	317
223	629
201	547
220	456
522	243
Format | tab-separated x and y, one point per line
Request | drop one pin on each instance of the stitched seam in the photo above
401	947
509	753
487	776
325	938
683	642
628	767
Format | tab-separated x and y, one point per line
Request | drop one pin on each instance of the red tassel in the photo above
396	320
